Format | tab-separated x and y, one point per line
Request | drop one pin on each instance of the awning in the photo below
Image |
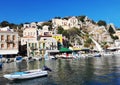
7	52
65	50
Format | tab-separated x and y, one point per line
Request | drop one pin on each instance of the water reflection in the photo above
21	66
89	71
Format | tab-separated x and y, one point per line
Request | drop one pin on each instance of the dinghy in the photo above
26	74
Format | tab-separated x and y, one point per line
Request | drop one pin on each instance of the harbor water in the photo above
83	71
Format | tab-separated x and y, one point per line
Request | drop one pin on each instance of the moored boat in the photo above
26	74
1	64
18	59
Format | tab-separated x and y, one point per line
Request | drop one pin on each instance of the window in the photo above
34	34
14	37
46	33
25	33
8	37
28	33
14	45
8	46
2	46
2	37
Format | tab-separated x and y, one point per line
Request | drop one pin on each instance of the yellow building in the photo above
57	37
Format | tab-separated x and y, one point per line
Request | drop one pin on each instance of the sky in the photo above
21	11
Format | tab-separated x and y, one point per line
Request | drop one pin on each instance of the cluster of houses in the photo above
36	41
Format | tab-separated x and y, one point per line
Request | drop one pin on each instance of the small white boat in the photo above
26	74
97	55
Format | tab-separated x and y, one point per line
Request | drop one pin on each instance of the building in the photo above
44	31
66	23
46	42
29	33
8	41
37	41
58	37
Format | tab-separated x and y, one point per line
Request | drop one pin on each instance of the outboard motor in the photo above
1	65
46	68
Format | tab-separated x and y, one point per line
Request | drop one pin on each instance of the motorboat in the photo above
18	59
26	74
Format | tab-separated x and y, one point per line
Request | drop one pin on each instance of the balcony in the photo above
10	41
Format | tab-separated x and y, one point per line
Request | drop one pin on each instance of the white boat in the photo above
97	55
26	74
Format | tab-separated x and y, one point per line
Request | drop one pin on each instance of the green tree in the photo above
57	17
88	42
81	18
86	45
47	23
39	27
101	23
4	23
66	17
74	31
60	30
66	33
114	37
111	30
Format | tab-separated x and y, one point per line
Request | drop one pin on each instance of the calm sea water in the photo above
83	71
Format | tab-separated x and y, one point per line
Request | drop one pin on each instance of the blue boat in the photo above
18	59
1	64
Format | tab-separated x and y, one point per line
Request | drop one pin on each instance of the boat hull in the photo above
27	75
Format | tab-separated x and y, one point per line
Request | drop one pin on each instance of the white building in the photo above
8	41
66	24
44	31
38	40
29	33
117	43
